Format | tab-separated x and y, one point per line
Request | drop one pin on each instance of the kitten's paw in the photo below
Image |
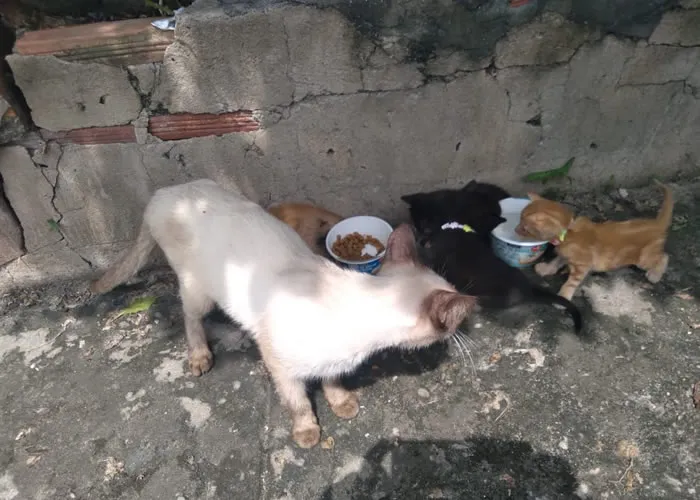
543	269
307	436
567	294
654	276
347	409
201	361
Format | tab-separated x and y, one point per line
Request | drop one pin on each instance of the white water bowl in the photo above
513	249
363	224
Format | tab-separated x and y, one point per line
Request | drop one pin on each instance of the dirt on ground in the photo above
97	403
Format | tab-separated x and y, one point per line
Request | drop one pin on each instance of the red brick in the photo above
187	125
94	135
129	42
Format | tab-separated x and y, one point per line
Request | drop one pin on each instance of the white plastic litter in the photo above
168	23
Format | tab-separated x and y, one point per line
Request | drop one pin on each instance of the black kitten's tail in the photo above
542	295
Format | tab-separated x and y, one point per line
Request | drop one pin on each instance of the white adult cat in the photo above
309	318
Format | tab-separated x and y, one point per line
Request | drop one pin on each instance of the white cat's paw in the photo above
347	409
201	360
307	436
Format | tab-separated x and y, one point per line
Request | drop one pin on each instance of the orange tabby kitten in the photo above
587	246
310	222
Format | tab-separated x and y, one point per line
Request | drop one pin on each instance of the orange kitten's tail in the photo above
129	264
666	213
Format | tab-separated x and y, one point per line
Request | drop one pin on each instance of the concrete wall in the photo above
345	110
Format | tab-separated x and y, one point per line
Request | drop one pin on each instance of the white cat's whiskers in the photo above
466	287
464	339
459	349
459	337
468	339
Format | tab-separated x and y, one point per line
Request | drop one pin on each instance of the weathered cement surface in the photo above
102	408
64	96
356	115
10	234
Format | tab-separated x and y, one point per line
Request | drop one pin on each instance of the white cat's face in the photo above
440	309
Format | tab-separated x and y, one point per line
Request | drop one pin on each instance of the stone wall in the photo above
341	106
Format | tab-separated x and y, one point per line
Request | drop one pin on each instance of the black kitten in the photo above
475	204
466	259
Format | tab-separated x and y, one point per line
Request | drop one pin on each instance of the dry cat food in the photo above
352	247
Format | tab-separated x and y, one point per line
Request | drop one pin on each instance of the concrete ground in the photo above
93	406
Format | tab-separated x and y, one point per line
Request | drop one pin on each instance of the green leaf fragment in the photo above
545	175
163	9
138	305
54	225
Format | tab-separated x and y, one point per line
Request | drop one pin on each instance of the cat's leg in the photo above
657	270
195	305
577	273
343	402
305	429
654	261
551	267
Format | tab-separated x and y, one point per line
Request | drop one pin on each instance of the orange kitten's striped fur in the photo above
310	222
586	246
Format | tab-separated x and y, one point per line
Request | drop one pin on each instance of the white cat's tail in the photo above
128	264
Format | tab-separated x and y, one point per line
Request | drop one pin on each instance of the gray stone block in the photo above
323	48
102	191
659	64
55	262
382	72
30	194
10	233
65	96
680	27
549	39
248	69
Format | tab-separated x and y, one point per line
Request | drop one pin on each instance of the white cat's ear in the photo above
447	310
534	196
401	247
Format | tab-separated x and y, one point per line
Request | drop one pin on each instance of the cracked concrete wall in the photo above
349	119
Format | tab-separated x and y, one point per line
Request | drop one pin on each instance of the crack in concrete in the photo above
548	65
144	97
653	84
54	187
143	165
676	45
288	67
56	224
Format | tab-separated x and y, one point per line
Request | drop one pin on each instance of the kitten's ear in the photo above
534	196
447	310
469	185
412	199
401	247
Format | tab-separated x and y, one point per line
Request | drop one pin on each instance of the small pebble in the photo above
564	444
423	393
236	385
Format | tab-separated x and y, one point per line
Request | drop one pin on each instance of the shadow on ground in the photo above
478	467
